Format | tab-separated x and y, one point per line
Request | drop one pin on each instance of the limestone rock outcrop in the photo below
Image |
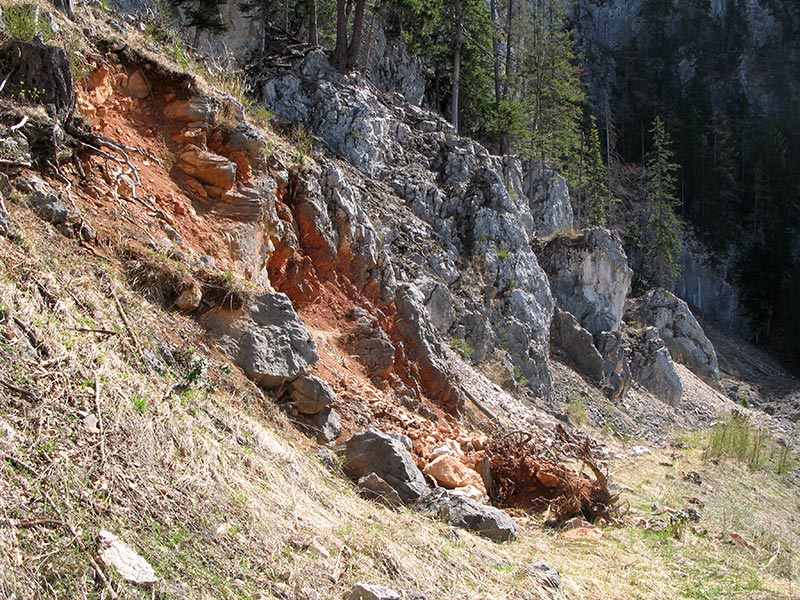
577	343
677	326
448	212
589	276
651	365
548	199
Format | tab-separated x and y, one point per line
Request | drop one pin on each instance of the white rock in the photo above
639	451
130	565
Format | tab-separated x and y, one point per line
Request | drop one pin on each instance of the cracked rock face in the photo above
590	277
652	366
455	221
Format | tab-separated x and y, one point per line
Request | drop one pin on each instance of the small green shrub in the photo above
520	379
463	347
735	437
140	404
576	409
303	141
24	21
261	116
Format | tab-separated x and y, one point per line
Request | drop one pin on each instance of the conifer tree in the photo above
550	90
663	224
591	190
203	15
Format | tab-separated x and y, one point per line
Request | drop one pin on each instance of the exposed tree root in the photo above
527	475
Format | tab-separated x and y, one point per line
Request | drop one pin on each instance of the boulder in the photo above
373	451
465	513
544	574
589	277
131	566
651	365
577	343
366	591
207	167
375	488
450	472
677	326
267	340
324	425
311	395
137	85
15	149
195	110
190	298
49	207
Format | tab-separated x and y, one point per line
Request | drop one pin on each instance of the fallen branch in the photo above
18	390
16	163
124	317
481	406
100	331
22	465
19	523
24	120
99	418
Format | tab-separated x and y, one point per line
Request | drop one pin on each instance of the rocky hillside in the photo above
215	312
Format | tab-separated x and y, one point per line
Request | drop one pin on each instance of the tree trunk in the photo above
355	39
339	58
40	74
509	66
66	6
313	34
457	66
498	92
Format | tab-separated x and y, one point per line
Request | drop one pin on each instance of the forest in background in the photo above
690	116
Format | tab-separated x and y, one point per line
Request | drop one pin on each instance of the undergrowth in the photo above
735	437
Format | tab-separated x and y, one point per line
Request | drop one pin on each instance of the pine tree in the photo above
550	89
591	191
203	15
663	224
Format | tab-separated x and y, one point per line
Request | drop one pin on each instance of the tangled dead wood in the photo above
528	472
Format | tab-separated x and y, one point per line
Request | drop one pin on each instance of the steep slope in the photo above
173	243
